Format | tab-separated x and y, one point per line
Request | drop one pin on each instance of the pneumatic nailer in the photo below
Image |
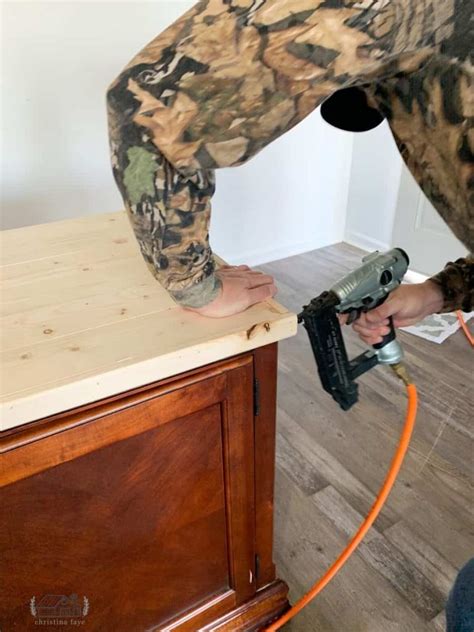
363	289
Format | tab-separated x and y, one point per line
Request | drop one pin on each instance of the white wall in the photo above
373	190
290	198
58	59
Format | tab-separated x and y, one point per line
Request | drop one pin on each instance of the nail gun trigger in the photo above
353	315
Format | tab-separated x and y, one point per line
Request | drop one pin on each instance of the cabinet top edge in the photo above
83	319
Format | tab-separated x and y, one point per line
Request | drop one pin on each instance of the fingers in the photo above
258	285
256	280
373	321
236	272
372	340
252	278
241	288
391	306
372	336
227	267
404	305
261	293
371	331
240	271
405	322
374	324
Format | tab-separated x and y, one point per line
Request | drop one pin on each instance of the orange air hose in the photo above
373	513
464	327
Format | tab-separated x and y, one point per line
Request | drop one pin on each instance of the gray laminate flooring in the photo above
331	463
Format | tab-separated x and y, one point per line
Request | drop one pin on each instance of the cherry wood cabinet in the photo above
148	510
138	443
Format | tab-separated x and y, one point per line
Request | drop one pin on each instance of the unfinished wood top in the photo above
83	319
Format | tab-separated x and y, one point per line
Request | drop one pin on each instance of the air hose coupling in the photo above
401	372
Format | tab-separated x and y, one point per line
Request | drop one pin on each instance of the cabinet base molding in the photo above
269	603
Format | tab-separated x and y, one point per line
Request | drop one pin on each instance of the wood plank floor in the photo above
331	463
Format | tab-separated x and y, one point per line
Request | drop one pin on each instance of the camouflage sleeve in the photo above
431	115
220	84
456	282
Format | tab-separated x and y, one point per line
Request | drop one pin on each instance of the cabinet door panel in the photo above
149	527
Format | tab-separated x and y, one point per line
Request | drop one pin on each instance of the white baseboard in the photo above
367	243
414	277
258	257
364	241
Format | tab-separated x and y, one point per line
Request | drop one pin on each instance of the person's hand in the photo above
241	288
408	304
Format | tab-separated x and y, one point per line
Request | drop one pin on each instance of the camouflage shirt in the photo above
231	76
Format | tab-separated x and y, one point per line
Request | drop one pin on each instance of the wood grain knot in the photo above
252	332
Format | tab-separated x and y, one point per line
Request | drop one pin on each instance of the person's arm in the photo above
450	289
215	88
456	283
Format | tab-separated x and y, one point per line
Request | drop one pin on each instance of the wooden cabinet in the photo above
136	481
149	510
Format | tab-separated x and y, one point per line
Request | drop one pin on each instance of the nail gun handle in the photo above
355	314
388	337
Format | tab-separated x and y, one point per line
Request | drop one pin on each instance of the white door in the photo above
420	231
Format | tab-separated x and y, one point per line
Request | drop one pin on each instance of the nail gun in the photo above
363	289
